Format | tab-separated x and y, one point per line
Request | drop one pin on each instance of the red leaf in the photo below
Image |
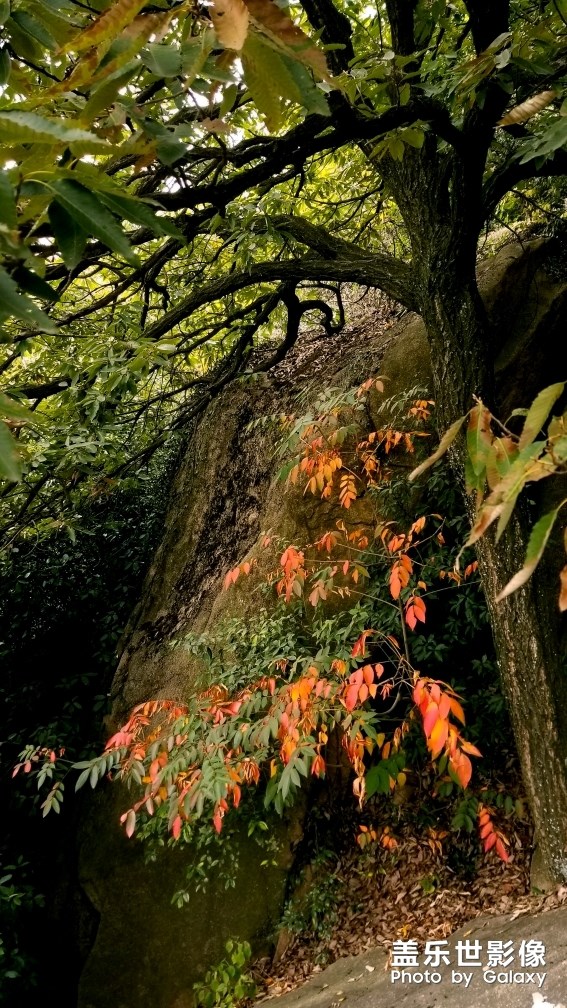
351	697
176	827
490	841
411	617
444	706
430	717
501	850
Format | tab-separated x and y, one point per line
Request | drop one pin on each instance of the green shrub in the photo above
229	983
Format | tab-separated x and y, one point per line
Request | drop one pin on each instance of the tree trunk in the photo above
529	657
525	626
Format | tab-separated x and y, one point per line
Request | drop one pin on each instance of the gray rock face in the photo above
369	981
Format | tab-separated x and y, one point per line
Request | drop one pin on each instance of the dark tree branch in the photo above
335	29
506	178
488	19
401	18
43	391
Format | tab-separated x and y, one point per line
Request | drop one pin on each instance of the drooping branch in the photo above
381	271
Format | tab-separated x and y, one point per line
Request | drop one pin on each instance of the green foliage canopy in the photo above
173	185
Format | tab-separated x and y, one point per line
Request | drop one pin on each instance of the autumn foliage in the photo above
187	760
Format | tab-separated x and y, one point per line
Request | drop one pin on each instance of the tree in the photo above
191	173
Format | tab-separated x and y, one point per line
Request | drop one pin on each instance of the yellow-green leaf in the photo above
107	26
445	442
539	411
29	127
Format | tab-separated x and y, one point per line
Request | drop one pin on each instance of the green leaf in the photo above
92	216
139	212
10	409
538	412
69	235
103	96
10	466
163	60
310	97
31	283
194	53
413	137
266	90
445	442
536	545
4	12
16	304
29	127
170	149
32	27
479	438
377	780
8	213
230	94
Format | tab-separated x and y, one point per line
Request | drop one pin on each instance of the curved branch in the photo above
384	272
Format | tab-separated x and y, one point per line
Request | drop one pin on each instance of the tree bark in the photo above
530	662
525	626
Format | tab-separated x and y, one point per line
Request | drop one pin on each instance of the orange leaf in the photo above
359	647
395	583
176	827
368	674
411	616
468	747
438	737
463	770
457	710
